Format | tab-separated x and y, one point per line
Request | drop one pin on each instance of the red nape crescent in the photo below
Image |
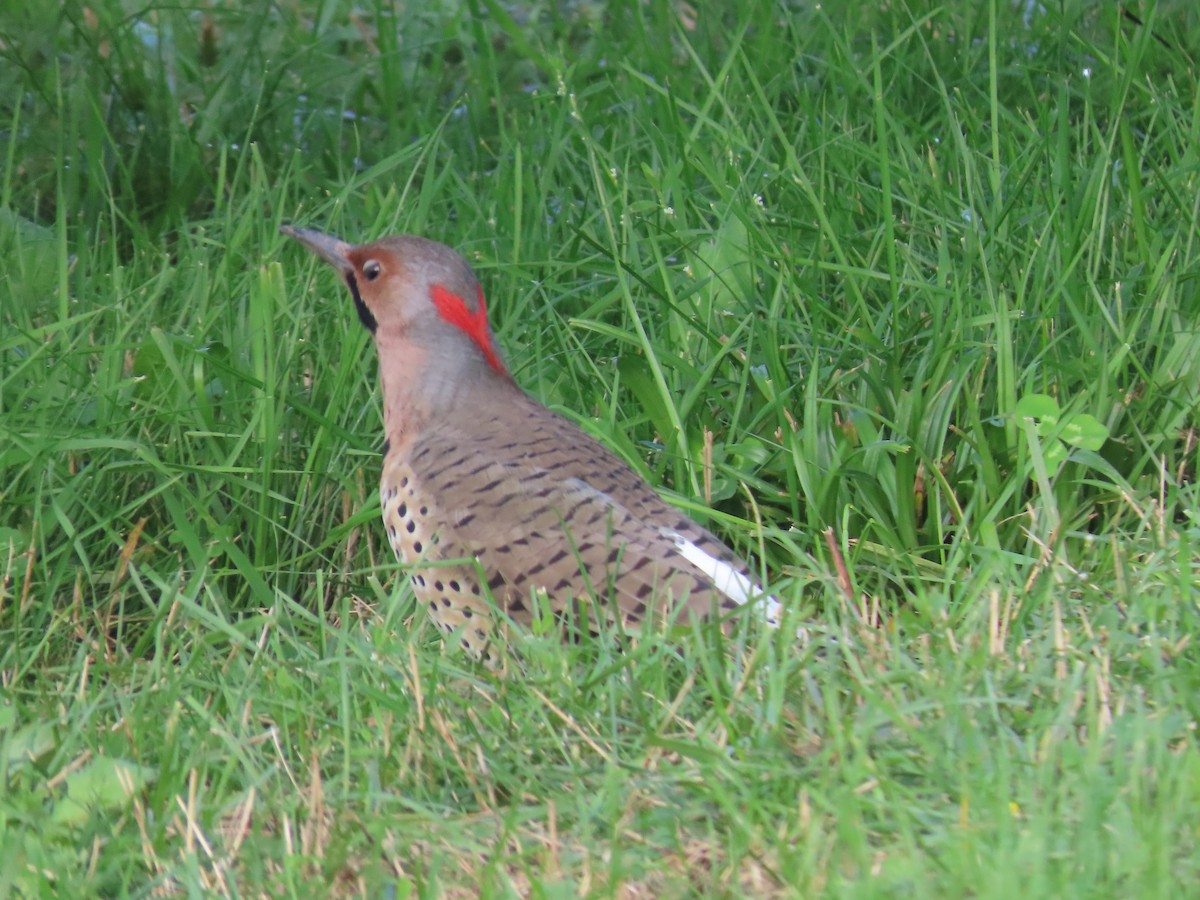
474	325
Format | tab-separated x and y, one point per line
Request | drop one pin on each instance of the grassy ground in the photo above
908	288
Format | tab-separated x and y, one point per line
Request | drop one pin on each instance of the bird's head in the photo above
409	290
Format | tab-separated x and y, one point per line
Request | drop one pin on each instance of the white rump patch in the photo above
728	580
725	577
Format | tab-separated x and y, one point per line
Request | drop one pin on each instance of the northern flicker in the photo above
488	494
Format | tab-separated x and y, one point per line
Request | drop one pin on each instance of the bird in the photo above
497	506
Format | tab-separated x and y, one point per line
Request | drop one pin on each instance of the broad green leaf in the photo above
1038	406
636	375
1054	452
30	251
25	744
105	784
1084	431
13	538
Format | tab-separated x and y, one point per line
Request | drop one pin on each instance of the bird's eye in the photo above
372	269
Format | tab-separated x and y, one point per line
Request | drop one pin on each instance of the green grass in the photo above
809	268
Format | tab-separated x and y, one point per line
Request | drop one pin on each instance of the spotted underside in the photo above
534	507
446	584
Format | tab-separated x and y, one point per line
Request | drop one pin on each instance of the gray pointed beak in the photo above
331	249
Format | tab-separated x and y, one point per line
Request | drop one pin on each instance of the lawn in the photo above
901	300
